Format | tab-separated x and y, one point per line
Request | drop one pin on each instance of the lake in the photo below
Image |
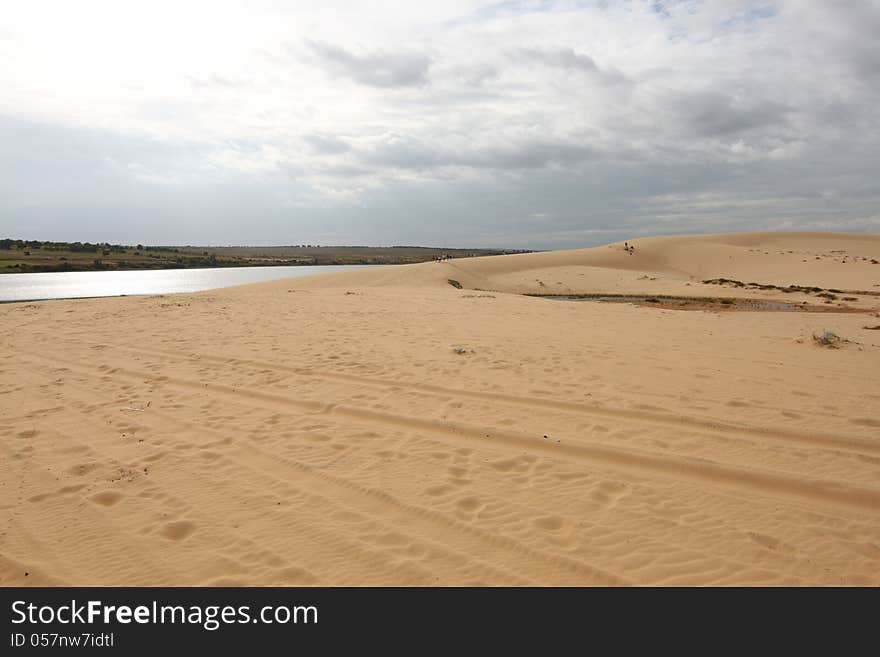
80	284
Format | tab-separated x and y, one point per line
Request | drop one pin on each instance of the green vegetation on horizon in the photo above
30	256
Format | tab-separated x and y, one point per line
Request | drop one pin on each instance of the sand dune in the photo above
383	427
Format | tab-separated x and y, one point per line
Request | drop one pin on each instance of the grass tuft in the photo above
829	339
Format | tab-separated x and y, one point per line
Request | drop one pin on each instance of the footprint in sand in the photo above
770	543
178	530
606	493
469	504
504	465
439	489
81	469
107	498
295	576
550	523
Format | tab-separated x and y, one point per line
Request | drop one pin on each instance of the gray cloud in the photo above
529	124
565	58
410	153
568	60
375	69
716	113
326	144
63	183
477	74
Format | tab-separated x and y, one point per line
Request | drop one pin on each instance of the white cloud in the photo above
599	110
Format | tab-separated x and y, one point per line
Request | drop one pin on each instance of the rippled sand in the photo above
384	427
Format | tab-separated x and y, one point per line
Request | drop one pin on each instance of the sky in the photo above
533	124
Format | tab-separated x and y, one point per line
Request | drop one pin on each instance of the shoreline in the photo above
87	285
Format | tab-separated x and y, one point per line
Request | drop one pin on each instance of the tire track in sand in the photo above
857	446
432	525
746	481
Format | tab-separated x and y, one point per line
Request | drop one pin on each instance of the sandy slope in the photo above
326	430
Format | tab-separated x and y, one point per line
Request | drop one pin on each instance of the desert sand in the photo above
382	427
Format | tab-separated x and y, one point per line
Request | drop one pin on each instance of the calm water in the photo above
72	285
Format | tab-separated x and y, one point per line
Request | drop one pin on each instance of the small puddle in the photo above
688	302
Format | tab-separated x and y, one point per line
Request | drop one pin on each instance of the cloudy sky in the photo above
522	123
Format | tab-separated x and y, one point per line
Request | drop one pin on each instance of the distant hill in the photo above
21	256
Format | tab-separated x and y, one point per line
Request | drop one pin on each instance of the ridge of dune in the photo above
382	427
668	265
